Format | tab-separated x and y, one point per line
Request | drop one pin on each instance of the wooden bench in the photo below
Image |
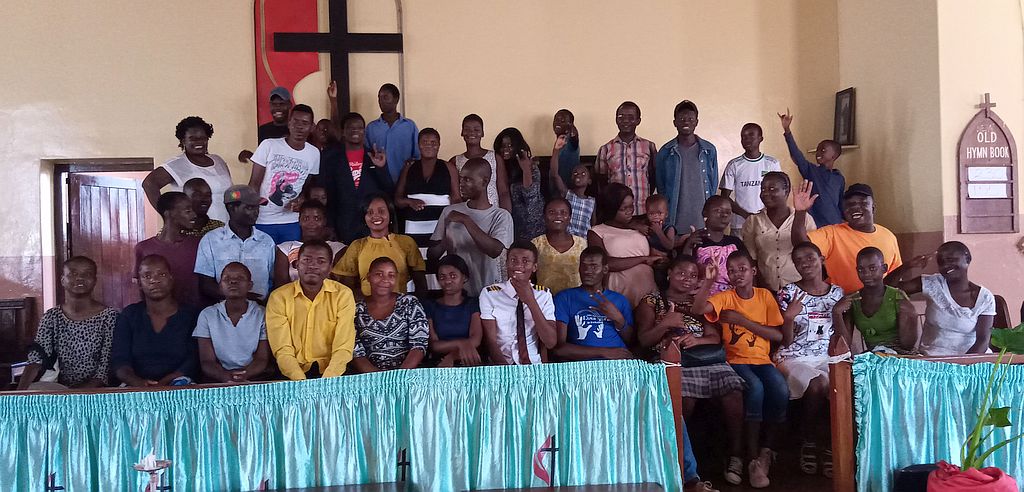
16	320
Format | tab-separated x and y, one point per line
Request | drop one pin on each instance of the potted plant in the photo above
971	475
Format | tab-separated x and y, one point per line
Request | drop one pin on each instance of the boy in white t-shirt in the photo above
280	167
743	175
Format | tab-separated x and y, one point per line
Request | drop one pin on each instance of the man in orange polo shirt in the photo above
840	243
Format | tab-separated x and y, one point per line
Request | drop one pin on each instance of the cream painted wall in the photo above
982	50
889	52
516	62
113	78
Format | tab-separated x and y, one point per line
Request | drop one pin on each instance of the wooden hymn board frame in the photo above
987	166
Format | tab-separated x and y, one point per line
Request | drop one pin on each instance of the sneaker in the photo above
808	458
767	458
757	473
826	463
734	472
700	487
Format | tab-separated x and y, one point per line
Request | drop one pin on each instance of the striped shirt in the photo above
628	163
582	208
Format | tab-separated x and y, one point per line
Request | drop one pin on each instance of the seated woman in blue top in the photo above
153	343
455	328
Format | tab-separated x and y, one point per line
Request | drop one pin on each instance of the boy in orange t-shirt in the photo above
751	320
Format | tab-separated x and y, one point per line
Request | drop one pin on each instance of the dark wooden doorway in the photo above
100	213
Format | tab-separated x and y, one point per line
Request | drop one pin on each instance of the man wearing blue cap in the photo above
280	105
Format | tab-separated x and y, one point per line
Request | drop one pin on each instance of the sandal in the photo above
826	463
809	458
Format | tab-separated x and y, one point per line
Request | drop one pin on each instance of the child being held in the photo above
711	244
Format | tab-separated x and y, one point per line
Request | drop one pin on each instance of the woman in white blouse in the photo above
767	234
195	161
959	313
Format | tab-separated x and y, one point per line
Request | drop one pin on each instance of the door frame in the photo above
61	232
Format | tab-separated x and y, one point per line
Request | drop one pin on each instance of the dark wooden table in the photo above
368	487
633	487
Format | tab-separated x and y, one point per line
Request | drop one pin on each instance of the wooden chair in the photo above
16	317
1002	314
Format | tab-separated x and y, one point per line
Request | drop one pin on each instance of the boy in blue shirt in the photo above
593	322
829	182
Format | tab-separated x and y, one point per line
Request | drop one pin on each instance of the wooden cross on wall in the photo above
339	43
987	104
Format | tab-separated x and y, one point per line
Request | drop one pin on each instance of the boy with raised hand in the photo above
518	317
593	322
628	158
316	312
829	182
232	334
569	157
581	205
743	176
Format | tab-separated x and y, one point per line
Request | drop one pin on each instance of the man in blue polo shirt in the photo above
593	322
392	133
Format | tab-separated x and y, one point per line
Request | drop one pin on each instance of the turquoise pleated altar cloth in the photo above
916	412
447	429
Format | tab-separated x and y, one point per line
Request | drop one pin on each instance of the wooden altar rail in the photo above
844	439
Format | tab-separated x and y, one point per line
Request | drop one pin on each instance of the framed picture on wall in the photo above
846	104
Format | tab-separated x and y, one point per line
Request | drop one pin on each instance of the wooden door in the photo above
107	221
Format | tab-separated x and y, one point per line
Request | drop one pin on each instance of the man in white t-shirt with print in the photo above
743	175
280	167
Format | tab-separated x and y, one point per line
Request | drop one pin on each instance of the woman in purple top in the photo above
178	249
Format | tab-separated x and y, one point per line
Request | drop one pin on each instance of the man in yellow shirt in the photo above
840	243
310	322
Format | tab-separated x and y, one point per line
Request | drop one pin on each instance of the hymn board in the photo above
987	165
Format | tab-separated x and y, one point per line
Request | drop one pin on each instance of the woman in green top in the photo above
883	315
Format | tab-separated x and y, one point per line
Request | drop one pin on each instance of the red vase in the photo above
950	478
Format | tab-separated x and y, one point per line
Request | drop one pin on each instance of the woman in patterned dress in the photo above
803	356
668	330
391	328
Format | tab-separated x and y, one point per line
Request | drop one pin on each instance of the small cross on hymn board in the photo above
51	483
339	43
403	463
987	104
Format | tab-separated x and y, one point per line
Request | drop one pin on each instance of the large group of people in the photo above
319	267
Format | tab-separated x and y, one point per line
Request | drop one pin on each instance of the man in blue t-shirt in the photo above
593	322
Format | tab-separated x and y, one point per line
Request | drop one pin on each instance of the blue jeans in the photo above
689	461
766	396
282	232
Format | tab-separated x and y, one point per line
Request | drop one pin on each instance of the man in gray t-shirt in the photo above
691	190
476	230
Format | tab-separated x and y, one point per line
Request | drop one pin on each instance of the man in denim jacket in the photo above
686	171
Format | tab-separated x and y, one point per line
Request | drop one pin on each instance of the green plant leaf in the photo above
1011	339
999	417
984	456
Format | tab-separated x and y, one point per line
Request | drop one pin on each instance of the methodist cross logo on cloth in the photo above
545	473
